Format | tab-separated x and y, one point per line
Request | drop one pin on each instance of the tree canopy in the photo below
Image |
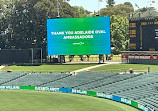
110	3
119	25
23	22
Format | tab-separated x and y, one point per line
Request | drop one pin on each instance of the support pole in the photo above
41	55
64	59
98	9
61	59
100	58
58	7
50	59
103	59
148	69
32	55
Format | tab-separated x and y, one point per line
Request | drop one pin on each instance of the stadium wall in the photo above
74	91
140	57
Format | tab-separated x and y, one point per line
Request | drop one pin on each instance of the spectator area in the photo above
139	87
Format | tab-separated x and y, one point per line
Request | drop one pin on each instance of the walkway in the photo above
1	67
92	67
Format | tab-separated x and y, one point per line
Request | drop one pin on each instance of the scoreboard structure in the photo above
143	34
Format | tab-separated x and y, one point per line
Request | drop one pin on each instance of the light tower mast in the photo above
58	9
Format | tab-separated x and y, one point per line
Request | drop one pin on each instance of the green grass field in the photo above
47	68
126	67
72	67
48	101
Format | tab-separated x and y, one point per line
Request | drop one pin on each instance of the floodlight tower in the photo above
99	7
59	6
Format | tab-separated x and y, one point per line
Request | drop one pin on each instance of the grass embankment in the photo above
48	101
47	68
126	67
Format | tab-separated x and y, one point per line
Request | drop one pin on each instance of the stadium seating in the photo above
7	77
35	79
139	87
79	80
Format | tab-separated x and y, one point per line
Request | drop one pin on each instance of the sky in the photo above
92	5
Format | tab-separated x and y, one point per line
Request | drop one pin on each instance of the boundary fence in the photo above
74	91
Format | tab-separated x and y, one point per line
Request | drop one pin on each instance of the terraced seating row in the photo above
142	87
137	94
136	82
111	81
35	79
81	79
6	77
149	102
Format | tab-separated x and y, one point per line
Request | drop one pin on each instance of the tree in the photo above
128	3
110	3
80	12
144	9
119	25
119	33
66	10
5	14
120	9
25	21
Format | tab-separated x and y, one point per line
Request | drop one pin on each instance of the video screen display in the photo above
78	36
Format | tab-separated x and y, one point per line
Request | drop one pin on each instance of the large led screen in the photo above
78	36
